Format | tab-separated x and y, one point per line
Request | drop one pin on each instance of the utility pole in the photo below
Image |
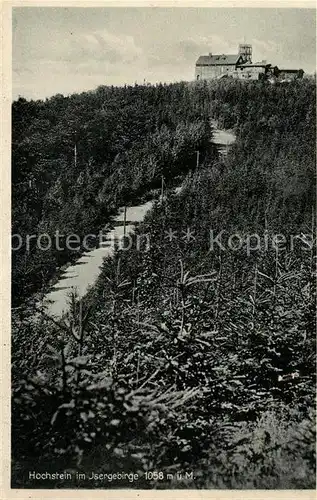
162	188
197	159
124	220
75	154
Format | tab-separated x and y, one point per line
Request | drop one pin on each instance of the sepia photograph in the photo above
163	248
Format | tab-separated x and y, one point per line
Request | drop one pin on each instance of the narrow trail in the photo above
86	270
84	273
222	138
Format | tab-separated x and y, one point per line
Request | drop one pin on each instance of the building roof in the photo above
282	70
218	60
261	64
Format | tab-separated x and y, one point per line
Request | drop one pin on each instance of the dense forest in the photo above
76	159
185	357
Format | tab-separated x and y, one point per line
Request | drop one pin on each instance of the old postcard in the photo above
162	250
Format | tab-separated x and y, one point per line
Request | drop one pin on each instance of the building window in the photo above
197	77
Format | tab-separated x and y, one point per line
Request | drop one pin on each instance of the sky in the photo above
66	50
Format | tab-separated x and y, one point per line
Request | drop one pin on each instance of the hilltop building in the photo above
240	66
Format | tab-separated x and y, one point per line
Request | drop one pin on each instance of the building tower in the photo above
245	50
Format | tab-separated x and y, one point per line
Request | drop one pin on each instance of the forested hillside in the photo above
188	355
76	159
